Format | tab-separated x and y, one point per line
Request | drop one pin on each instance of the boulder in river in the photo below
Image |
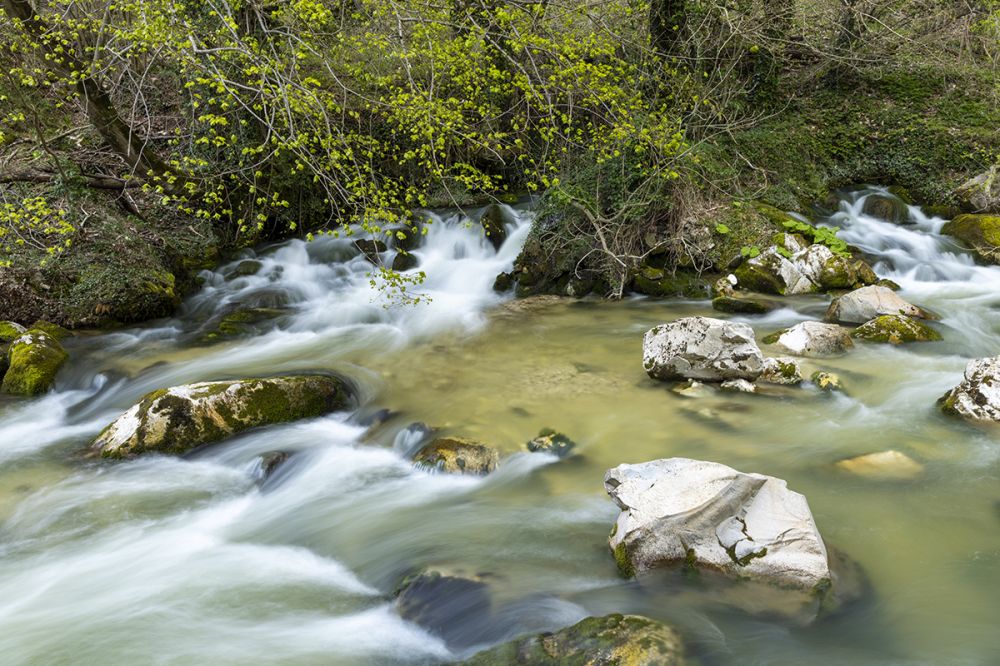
977	396
699	514
619	640
781	371
443	604
867	303
178	419
10	331
826	381
458	456
888	465
494	223
702	348
812	339
371	248
895	329
773	273
886	207
33	360
742	305
981	233
550	441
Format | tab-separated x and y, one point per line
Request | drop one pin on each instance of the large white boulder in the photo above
977	396
702	348
812	339
862	305
708	515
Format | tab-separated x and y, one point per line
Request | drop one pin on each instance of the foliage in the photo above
33	222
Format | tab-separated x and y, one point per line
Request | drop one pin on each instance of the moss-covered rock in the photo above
981	233
33	360
742	305
458	456
10	331
371	249
781	371
612	640
981	194
895	329
886	207
494	222
826	381
54	330
550	441
239	322
181	418
245	268
404	261
663	283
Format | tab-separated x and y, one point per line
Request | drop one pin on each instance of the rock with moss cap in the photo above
773	273
181	418
867	303
895	329
980	233
458	456
56	331
10	331
705	515
826	381
611	640
701	348
660	282
33	360
781	371
742	305
886	206
977	396
550	441
812	339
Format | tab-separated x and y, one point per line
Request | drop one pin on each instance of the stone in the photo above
268	464
980	233
669	284
690	389
404	261
494	223
889	465
705	515
10	331
371	249
724	286
504	282
54	330
742	305
895	329
738	386
826	381
612	640
550	441
33	360
886	207
862	305
813	339
443	604
458	456
828	270
981	194
977	396
702	348
781	371
245	268
178	419
772	273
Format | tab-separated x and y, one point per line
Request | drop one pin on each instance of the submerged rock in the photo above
443	604
883	465
742	305
404	261
813	339
371	249
895	329
458	456
781	371
33	360
181	418
981	233
886	207
702	348
738	386
826	381
269	464
867	303
977	396
691	388
245	268
701	514
612	640
550	441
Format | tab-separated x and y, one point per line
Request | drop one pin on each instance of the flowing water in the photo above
192	561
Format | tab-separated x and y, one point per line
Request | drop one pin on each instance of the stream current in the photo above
192	561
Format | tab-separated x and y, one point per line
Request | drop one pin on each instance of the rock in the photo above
503	282
826	381
371	249
702	348
612	640
895	329
772	273
666	284
404	261
10	331
443	604
677	511
458	456
982	193
977	396
862	305
494	223
813	339
33	360
239	322
724	286
54	330
886	207
781	371
245	268
690	389
742	305
829	271
268	464
883	465
786	270
181	418
981	233
738	386
888	284
550	441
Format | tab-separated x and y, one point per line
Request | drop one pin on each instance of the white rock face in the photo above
815	339
708	515
977	397
702	348
862	305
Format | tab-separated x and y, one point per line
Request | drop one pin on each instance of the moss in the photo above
10	331
772	338
53	330
761	275
895	329
741	305
980	232
34	360
457	456
622	559
659	282
826	381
